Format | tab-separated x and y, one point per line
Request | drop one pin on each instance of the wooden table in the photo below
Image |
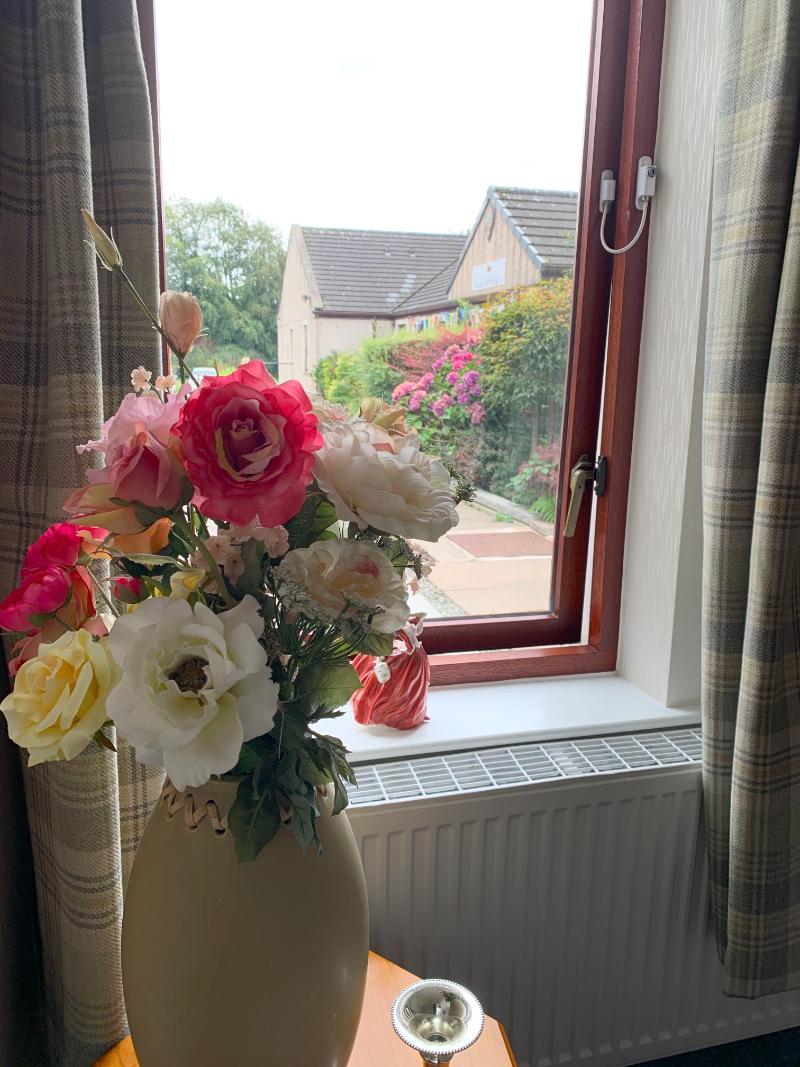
377	1042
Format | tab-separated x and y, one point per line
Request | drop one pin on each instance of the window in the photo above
537	366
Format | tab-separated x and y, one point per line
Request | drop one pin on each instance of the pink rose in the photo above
142	460
61	546
45	592
248	446
129	590
181	319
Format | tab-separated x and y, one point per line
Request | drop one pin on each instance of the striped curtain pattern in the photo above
751	491
75	131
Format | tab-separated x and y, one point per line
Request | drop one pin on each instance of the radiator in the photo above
566	885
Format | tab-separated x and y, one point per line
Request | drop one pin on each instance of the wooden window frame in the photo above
600	394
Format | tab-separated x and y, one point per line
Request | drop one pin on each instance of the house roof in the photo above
373	272
544	220
431	295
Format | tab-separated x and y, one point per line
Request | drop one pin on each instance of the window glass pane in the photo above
383	201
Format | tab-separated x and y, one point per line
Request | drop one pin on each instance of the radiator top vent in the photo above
497	768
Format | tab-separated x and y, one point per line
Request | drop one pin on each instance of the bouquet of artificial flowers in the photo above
215	576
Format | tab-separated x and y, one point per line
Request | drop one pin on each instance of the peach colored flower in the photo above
165	382
181	319
151	540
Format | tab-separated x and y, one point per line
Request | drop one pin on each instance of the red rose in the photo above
60	546
248	446
45	592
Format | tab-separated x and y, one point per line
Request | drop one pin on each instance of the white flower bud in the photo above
107	252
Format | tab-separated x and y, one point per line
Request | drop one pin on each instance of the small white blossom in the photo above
165	382
140	378
226	553
275	539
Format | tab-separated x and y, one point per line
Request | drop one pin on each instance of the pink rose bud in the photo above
181	319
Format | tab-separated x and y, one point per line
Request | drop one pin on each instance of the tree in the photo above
524	347
234	266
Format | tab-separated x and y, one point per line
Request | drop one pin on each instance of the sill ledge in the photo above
515	712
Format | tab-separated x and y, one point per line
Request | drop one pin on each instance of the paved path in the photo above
486	567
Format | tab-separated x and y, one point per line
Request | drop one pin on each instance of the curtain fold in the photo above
75	131
751	500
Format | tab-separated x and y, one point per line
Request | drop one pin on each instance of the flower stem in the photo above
101	593
184	369
211	563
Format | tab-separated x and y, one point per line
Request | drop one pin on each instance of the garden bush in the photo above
487	398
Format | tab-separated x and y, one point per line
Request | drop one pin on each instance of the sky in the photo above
369	114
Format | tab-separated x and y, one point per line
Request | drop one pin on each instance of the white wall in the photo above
660	627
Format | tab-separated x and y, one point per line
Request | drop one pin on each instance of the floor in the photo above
773	1050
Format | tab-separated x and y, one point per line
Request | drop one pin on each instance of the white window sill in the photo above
504	713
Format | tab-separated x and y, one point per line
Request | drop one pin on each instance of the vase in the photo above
242	964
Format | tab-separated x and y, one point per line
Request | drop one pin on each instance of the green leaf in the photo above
250	755
252	581
304	818
328	684
375	644
148	559
315	516
335	759
253	821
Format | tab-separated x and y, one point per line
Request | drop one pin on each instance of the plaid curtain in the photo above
751	479
75	131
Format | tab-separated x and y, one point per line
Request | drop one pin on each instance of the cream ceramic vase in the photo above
242	965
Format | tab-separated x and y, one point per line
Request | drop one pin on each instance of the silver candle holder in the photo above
437	1019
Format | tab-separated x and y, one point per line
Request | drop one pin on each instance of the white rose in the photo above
403	492
59	698
195	685
343	580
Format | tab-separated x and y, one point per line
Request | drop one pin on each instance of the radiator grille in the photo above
494	768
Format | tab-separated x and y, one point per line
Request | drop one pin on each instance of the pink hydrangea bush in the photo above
444	403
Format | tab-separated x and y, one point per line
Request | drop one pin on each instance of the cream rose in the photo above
344	579
398	490
195	685
59	699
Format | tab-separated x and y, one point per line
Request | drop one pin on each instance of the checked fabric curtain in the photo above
75	131
751	490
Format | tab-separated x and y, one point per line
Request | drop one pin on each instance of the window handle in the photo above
585	472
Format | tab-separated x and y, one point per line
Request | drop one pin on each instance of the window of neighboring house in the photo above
537	366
